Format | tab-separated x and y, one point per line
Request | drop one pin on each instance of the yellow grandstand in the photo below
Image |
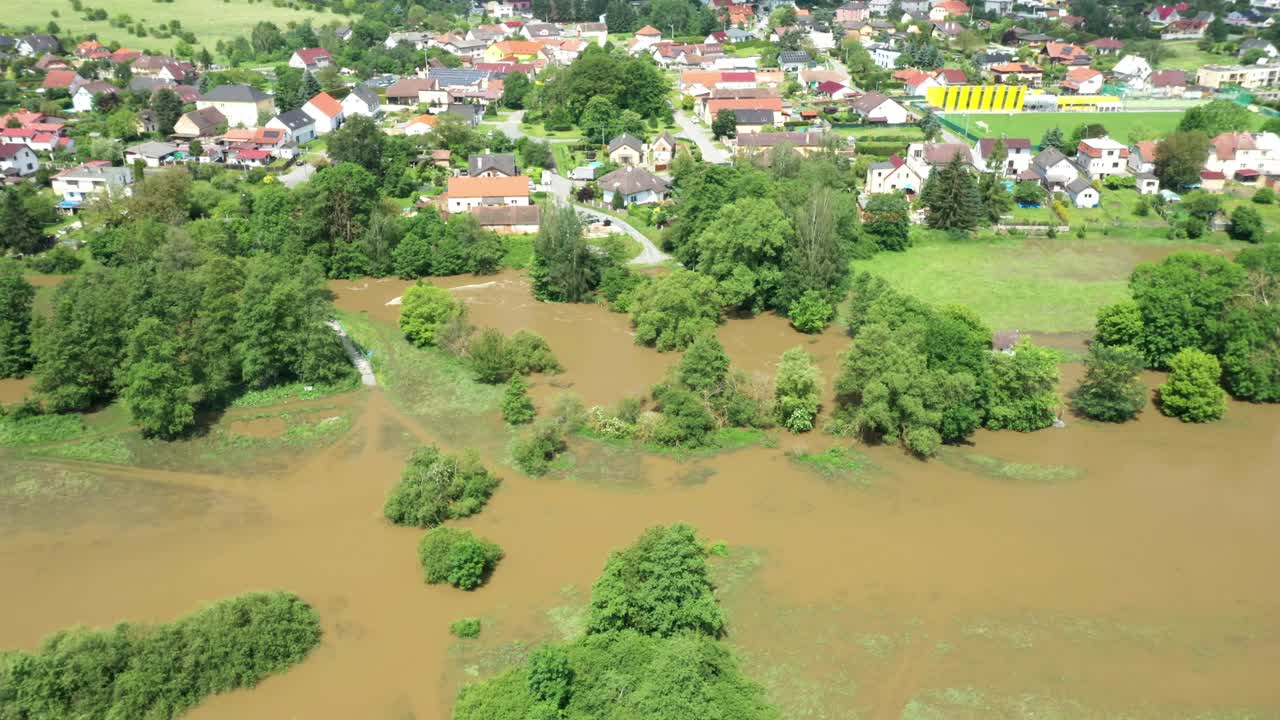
962	98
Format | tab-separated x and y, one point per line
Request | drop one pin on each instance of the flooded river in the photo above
1141	580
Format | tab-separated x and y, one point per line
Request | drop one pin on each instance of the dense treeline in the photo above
1194	307
650	650
161	671
924	375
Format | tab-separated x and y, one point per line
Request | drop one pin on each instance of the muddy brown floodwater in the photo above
1144	583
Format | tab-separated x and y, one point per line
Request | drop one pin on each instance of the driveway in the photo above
561	188
297	175
695	132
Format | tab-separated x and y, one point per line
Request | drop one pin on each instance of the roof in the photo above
1079	185
153	149
365	93
943	153
797	139
423	120
870	101
410	87
625	140
953	76
794	56
295	119
235	93
59	79
1146	150
466	186
1048	157
309	56
325	103
10	150
503	215
450	77
631	180
749	116
986	145
252	154
518	47
1082	74
504	163
208	118
115	175
1227	144
1065	51
649	31
1094	147
830	87
1107	43
1212	175
1015	67
1168	78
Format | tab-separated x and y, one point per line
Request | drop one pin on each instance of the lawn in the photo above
1033	125
210	20
537	130
1186	55
1040	285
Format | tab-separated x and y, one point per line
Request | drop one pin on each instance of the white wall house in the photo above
239	104
1102	157
17	160
467	192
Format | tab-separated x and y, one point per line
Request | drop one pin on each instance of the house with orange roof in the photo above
1018	72
1083	81
62	80
646	37
521	50
326	111
948	9
465	192
1066	54
420	125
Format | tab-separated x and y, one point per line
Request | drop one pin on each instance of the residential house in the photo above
1249	19
201	123
1017	155
636	185
879	8
492	165
540	31
1249	77
990	58
1168	83
834	90
37	44
520	50
1102	157
300	126
718	37
853	12
917	82
52	62
420	125
1231	152
407	92
17	161
626	150
362	100
885	56
310	59
1146	183
950	76
1105	46
1162	15
595	32
465	192
1082	193
508	219
794	60
737	35
947	32
645	38
151	154
1269	51
713	106
416	40
79	184
662	150
91	50
1018	72
239	104
164	67
1184	30
248	158
947	9
874	107
470	114
1082	81
1133	71
1142	157
83	98
892	175
1051	169
924	158
66	80
326	111
751	121
1213	181
1066	54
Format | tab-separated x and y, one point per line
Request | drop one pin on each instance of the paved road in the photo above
297	175
561	188
360	361
695	132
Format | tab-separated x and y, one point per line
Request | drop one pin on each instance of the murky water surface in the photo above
1092	571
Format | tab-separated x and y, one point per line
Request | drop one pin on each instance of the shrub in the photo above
534	453
424	309
457	557
1264	196
811	313
685	418
530	353
465	628
517	407
797	387
704	366
59	260
1118	324
158	672
1192	393
490	357
671	311
435	487
1246	225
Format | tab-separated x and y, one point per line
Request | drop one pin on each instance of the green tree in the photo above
797	390
817	261
743	250
517	406
1111	389
1251	356
951	198
266	39
550	676
1053	138
414	255
80	347
514	90
705	365
310	88
1181	299
457	557
23	231
621	17
661	586
214	346
1179	158
930	126
995	199
670	312
435	487
358	141
1024	389
281	326
167	106
1192	393
156	385
811	313
888	221
1216	117
1118	324
424	310
1246	225
1029	192
16	297
599	120
564	269
724	125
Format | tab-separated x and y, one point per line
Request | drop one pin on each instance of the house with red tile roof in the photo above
1083	81
1066	54
310	59
62	80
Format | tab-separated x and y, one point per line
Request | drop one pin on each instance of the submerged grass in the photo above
837	463
997	469
281	394
40	429
110	449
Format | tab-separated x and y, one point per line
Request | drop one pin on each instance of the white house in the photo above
239	104
1102	157
361	101
466	192
78	184
893	175
1082	194
646	37
1132	70
82	100
1083	81
152	154
300	126
1017	155
17	160
1052	169
326	111
878	109
636	185
310	59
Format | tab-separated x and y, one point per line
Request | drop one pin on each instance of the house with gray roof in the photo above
794	60
362	100
751	120
300	126
492	165
77	185
636	185
152	154
626	150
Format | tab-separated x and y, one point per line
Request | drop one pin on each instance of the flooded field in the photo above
1087	572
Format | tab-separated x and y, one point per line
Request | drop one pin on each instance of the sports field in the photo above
210	20
1033	125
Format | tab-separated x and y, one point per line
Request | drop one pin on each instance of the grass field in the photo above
1049	285
1186	55
1033	125
210	20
